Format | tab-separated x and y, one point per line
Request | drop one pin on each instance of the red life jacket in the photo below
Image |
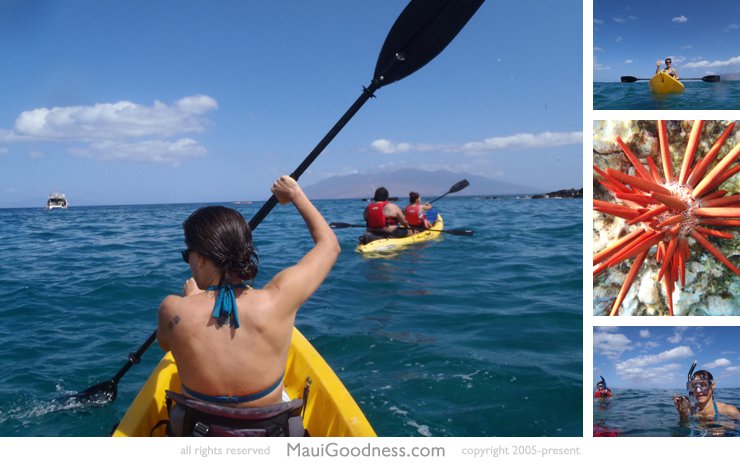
412	212
606	393
375	216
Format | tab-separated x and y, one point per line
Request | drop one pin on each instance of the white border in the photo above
641	448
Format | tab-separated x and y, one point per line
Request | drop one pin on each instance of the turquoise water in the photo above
465	336
637	95
651	413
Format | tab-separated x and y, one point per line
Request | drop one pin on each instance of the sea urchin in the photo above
668	209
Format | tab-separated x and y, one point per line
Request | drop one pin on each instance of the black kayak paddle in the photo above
453	189
421	32
710	78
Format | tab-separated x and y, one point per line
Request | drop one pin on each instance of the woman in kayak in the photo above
415	213
701	403
230	341
671	71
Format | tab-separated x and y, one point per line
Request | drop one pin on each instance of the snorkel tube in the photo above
604	381
692	398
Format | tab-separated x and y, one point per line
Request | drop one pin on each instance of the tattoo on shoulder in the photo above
173	322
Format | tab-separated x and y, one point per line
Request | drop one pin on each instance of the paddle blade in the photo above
712	78
100	394
629	79
421	32
460	232
459	186
342	225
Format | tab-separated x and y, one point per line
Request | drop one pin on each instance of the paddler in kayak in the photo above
671	71
701	403
415	213
602	391
230	341
382	218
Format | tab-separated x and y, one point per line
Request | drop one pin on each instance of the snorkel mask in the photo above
699	383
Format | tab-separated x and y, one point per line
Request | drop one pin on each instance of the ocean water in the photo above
464	336
637	95
651	413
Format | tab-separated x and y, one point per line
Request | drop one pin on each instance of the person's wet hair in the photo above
413	196
381	194
222	235
702	374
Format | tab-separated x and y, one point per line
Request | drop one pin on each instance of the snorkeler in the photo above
700	387
601	389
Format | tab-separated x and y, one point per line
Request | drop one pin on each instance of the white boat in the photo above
56	201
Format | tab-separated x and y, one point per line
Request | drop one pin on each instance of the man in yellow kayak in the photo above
671	71
230	341
382	217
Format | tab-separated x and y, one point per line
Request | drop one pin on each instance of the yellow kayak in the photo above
392	244
663	83
330	410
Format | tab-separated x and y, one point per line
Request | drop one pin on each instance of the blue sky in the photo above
660	357
126	102
630	36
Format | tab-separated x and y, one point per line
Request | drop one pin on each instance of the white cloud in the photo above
655	375
122	130
619	39
680	19
619	20
3	151
676	353
158	151
705	63
628	61
677	334
521	140
645	334
720	362
655	369
731	27
687	47
388	147
598	21
611	344
597	49
115	120
601	67
37	154
732	369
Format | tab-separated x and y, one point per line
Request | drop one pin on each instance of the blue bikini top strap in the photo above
225	307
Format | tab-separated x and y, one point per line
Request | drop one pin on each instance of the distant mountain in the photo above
399	183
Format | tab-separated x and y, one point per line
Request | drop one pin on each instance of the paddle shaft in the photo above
461	185
367	93
135	357
437	199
